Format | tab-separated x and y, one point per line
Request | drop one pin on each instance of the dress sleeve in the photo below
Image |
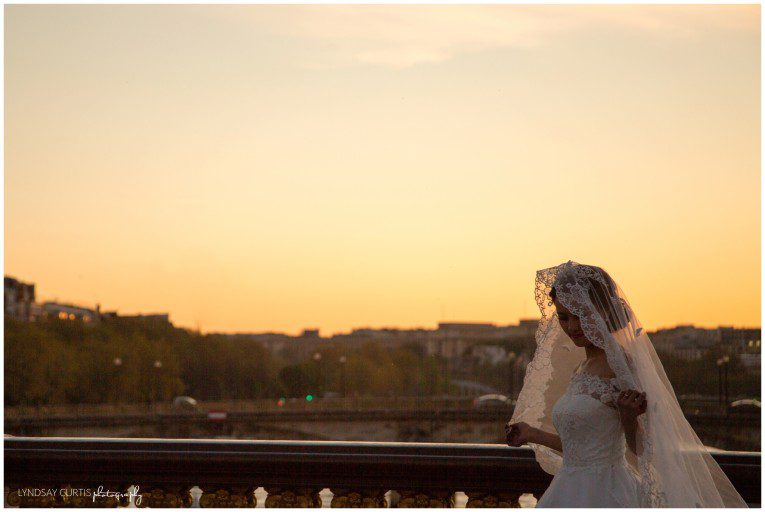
610	395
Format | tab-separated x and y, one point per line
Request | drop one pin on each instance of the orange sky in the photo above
252	168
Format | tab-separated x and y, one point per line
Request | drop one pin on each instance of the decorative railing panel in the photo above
44	472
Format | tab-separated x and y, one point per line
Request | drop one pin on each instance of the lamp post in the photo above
117	362
342	362
722	362
719	380
511	359
155	383
317	358
726	360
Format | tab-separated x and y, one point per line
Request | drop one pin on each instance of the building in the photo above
69	312
751	362
160	318
691	343
685	341
688	350
471	329
527	327
740	340
489	354
19	299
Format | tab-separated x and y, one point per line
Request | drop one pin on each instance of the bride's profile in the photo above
598	410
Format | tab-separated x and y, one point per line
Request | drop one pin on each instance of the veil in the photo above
675	468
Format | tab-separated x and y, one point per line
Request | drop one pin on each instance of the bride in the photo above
598	410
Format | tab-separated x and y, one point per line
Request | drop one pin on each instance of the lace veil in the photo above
674	466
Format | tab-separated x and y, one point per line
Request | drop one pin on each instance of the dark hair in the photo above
605	298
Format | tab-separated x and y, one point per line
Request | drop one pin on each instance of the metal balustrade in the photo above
46	472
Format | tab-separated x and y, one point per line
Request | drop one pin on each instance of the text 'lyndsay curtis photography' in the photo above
390	255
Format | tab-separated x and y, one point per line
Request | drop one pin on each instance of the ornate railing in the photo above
46	472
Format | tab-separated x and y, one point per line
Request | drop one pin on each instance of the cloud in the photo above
401	36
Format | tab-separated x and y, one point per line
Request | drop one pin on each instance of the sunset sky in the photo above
274	168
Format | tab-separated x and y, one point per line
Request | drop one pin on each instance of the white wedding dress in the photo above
594	467
595	472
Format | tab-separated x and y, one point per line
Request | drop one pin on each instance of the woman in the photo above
598	410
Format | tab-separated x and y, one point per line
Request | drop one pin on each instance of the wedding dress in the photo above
594	471
672	468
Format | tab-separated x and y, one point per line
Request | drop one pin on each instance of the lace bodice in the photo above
587	422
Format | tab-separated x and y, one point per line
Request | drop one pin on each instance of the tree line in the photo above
127	360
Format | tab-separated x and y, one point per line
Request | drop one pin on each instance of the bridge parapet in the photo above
71	471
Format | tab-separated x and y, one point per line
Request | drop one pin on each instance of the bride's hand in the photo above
518	434
631	404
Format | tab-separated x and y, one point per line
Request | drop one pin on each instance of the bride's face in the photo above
570	325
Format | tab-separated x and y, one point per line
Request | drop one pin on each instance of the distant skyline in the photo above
324	333
275	168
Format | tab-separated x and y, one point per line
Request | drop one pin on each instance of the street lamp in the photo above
317	358
511	359
342	362
155	379
117	362
726	360
722	361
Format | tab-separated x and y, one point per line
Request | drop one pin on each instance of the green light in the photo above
309	398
